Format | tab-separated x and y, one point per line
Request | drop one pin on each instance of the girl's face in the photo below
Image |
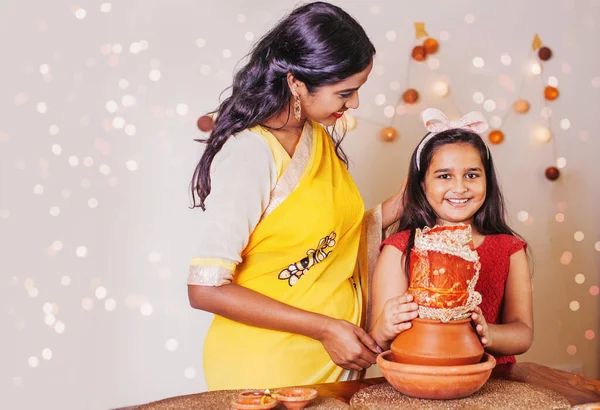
455	183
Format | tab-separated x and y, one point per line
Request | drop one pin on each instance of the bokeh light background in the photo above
98	106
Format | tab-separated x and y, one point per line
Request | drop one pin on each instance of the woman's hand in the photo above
349	346
481	327
393	207
395	318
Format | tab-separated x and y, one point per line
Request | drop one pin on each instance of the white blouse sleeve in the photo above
243	175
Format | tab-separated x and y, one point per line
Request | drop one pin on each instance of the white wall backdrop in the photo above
98	106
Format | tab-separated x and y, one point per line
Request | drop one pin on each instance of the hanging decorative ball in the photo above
205	123
496	136
542	134
388	134
410	96
431	46
544	53
552	173
419	53
440	88
551	93
521	106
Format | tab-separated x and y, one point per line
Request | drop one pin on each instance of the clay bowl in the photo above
295	398
253	402
436	382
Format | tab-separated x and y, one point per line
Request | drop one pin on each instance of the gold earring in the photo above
297	109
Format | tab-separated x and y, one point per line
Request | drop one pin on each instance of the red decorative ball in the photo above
388	134
431	46
496	136
205	123
410	96
419	53
552	173
544	53
551	93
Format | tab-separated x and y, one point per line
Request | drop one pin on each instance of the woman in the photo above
282	219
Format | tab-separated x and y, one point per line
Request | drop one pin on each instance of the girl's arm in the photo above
348	345
515	335
391	310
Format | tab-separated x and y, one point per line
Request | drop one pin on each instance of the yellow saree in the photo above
303	253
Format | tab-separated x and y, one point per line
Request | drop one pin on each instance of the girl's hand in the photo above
396	317
481	327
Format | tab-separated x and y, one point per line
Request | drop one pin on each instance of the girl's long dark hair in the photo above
490	219
318	43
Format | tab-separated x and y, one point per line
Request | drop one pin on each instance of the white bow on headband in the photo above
435	121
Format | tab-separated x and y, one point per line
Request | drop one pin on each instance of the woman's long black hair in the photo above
318	43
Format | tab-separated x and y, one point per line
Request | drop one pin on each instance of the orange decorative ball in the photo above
205	123
431	46
552	173
419	53
544	53
410	96
388	134
521	106
550	93
496	136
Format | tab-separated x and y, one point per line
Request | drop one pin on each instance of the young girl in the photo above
452	180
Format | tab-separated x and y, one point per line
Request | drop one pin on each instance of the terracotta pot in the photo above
252	402
436	382
295	398
433	343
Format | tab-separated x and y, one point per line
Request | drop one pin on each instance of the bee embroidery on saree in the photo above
313	256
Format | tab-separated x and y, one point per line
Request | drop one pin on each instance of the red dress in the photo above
494	255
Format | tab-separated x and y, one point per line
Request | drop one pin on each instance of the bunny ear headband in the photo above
435	121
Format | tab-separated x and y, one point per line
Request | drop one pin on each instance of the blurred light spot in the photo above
88	161
42	107
81	251
190	373
182	109
226	53
440	88
496	121
87	303
505	59
73	161
131	165
57	245
4	213
33	292
118	122
589	334
56	149
123	84
249	36
44	69
205	69
535	69
172	345
553	81
579	236
241	18
50	319
444	36
101	292
579	278
154	75
542	134
390	35
561	162
478	97
200	42
135	48
53	130
379	69
566	257
380	99
33	361
65	280
489	105
522	216
28	283
395	85
469	18
47	354
571	350
574	306
117	48
560	217
92	203
478	62
146	309
104	169
80	14
597	246
110	304
47	307
565	124
130	130
389	111
154	257
59	327
128	100
105	7
594	290
433	63
38	189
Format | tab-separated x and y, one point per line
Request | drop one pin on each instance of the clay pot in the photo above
436	382
295	398
252	402
433	343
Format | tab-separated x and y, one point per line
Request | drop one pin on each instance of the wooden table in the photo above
576	389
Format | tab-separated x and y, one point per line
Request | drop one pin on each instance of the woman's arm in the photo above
348	345
515	334
391	209
391	308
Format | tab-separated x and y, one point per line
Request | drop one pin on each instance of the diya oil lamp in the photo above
293	398
440	356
